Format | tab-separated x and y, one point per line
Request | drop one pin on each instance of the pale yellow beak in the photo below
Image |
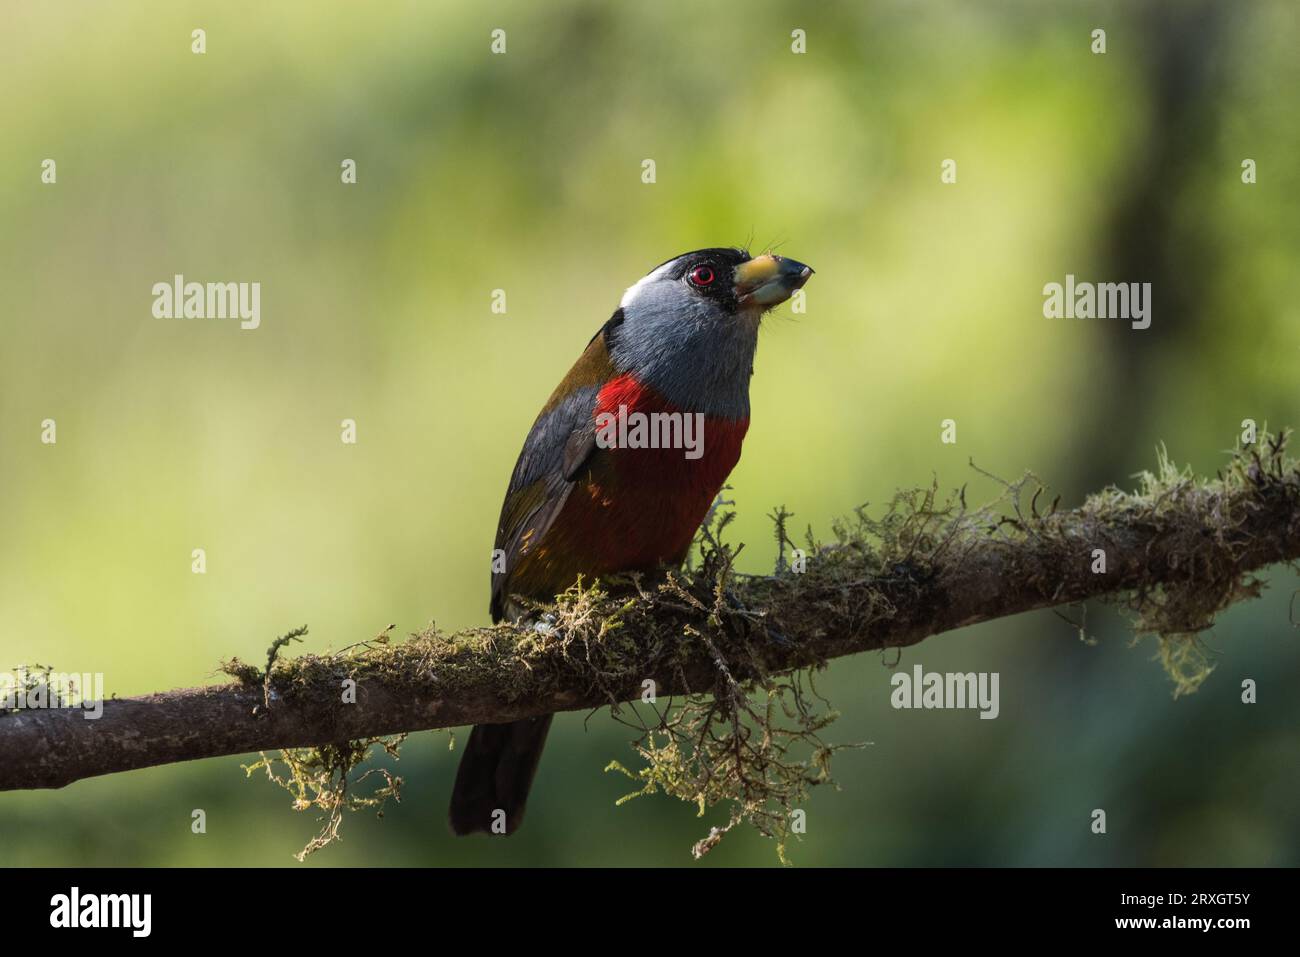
769	280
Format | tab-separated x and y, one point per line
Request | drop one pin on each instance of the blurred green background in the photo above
523	172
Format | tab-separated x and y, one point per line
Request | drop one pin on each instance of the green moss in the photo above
1204	521
325	778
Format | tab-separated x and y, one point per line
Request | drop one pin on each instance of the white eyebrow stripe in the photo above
634	290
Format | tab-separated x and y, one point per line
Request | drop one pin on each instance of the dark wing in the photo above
561	442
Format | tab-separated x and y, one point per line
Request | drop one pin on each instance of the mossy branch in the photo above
1175	552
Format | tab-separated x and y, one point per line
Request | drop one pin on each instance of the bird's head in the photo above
690	327
724	281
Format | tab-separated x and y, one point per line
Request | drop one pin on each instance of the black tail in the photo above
495	774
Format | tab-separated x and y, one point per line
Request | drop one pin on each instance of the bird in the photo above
586	499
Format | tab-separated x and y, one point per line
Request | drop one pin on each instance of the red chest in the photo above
656	471
662	449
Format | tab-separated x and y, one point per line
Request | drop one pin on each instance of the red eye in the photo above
702	276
